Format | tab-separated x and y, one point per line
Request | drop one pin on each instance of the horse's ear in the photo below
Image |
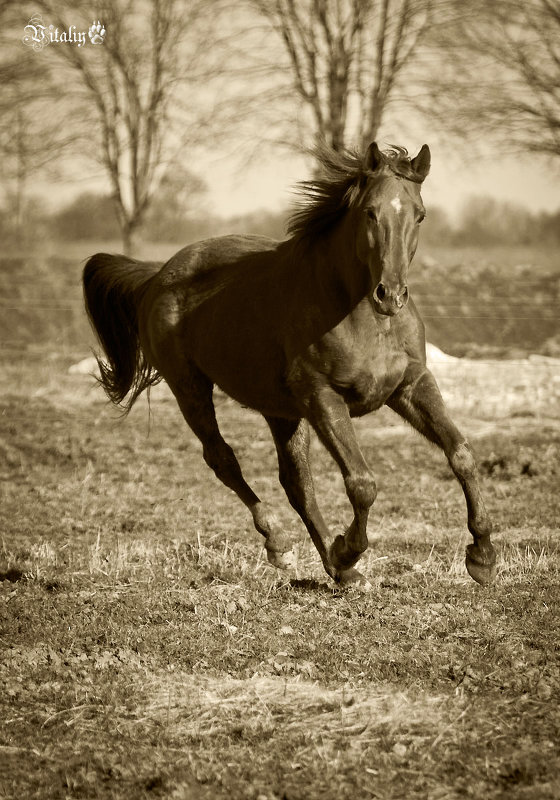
421	164
373	158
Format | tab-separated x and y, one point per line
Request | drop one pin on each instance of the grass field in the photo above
148	650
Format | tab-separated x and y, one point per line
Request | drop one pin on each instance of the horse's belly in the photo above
255	379
269	397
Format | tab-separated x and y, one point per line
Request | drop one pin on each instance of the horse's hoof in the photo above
340	555
279	552
352	579
481	570
286	560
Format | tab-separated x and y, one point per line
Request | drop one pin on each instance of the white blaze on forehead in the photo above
397	205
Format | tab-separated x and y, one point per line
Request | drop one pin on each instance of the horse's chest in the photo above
372	382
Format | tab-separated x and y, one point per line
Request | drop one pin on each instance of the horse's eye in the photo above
371	214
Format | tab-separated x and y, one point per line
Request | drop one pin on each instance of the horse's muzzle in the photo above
389	300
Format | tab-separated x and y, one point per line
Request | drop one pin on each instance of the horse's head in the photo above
388	222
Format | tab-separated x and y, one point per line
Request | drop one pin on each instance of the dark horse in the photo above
312	330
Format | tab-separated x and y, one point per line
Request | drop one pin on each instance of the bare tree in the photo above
127	89
31	137
499	73
26	145
348	59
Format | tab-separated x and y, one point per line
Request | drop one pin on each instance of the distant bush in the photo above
177	210
548	227
437	228
88	216
179	213
487	221
261	223
26	227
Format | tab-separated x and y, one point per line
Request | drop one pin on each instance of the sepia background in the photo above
146	650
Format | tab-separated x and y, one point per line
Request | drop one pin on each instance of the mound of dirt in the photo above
87	366
436	356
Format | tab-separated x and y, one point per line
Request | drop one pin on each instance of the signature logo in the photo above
38	35
96	33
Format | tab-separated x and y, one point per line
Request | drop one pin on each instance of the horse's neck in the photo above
335	267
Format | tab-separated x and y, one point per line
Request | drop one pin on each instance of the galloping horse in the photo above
312	330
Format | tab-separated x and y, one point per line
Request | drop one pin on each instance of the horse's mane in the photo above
325	199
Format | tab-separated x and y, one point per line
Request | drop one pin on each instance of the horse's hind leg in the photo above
292	445
421	404
194	396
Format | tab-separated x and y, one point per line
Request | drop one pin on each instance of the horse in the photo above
310	331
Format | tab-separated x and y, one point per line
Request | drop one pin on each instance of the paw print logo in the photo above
96	33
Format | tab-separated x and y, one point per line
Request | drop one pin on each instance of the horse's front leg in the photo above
421	404
328	414
292	445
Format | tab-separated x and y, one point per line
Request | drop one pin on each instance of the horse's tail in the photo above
113	288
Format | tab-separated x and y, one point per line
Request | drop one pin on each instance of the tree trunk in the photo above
128	231
20	179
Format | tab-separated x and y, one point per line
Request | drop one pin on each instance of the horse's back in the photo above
216	259
205	268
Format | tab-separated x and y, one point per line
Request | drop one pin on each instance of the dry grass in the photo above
147	649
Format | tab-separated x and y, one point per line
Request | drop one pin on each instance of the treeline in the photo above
486	221
482	221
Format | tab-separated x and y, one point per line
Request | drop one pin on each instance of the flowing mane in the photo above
325	199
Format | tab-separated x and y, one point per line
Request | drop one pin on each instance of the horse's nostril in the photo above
404	295
380	291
